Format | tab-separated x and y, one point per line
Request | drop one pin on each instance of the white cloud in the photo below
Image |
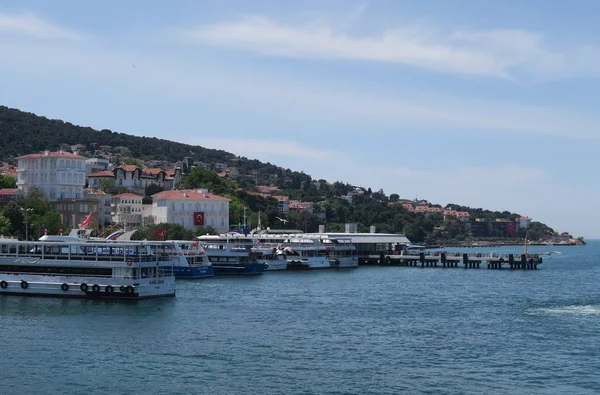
30	25
496	53
270	148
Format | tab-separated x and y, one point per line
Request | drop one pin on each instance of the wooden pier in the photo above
456	260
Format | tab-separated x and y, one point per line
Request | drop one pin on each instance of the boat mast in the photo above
258	226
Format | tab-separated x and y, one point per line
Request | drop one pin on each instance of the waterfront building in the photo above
126	210
60	175
191	208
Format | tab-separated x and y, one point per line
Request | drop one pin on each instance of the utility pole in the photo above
26	211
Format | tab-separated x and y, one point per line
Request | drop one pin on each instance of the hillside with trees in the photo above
24	133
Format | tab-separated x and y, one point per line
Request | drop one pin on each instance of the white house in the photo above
60	175
128	176
126	210
191	208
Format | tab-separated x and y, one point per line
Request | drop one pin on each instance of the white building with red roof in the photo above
126	210
191	208
60	175
136	179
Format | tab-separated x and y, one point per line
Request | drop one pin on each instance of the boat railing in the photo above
93	257
163	272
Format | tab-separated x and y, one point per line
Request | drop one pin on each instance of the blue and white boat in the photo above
231	258
190	260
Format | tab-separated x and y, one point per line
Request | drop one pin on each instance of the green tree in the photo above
49	221
12	212
5	226
7	181
35	193
207	230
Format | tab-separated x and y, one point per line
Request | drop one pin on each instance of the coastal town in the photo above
128	193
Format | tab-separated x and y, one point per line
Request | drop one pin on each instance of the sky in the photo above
480	103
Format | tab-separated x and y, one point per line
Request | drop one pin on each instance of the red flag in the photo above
199	218
86	222
160	234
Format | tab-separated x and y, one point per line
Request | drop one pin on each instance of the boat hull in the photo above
344	263
193	272
273	265
238	269
87	288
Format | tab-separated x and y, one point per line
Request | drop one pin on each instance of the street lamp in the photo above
26	211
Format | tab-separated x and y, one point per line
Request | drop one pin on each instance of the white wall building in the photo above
126	210
60	175
128	176
191	208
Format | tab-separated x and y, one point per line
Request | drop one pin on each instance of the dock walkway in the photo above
455	260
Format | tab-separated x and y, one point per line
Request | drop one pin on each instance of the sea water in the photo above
371	330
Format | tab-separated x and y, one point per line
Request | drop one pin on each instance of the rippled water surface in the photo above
372	330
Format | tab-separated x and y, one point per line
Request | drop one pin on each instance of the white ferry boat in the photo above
86	269
305	254
341	253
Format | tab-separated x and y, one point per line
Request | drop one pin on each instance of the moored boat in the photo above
269	257
190	260
86	269
304	254
341	253
231	258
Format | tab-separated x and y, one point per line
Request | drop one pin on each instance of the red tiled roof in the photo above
128	168
103	173
8	191
153	171
57	154
186	194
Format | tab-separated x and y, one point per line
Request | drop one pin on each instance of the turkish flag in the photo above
510	229
199	218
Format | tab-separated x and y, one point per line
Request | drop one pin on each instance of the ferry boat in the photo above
305	254
269	256
86	269
341	253
231	258
190	260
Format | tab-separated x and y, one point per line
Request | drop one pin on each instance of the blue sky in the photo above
487	104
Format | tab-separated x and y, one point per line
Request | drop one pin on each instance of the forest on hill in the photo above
24	133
